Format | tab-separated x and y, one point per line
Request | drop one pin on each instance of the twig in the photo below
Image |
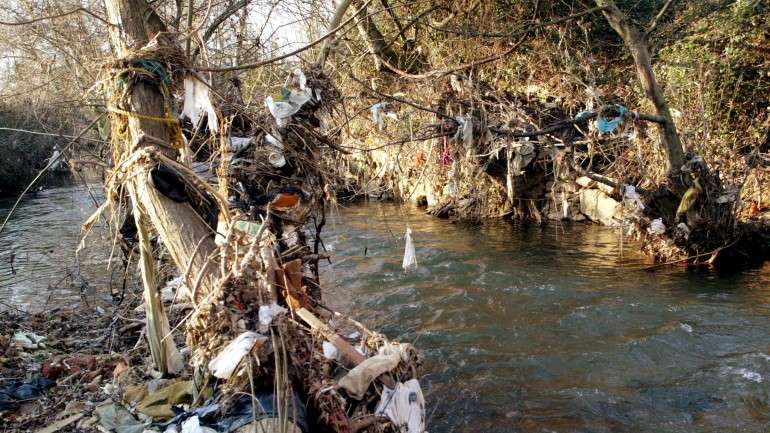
51	17
403	101
51	134
523	33
281	57
657	18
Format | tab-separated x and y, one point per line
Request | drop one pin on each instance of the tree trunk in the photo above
375	41
336	20
637	44
186	236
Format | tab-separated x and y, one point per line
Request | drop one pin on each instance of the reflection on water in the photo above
524	329
37	250
541	330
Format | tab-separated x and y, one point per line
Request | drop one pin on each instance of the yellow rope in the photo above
169	119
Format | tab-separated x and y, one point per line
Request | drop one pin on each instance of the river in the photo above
524	329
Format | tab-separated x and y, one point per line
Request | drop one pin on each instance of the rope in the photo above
169	119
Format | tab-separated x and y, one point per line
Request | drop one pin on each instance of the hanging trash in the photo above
197	102
524	154
378	116
404	406
410	257
629	193
464	132
446	157
605	125
290	101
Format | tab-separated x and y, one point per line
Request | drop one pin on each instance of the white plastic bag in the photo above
629	193
197	102
410	257
282	110
377	114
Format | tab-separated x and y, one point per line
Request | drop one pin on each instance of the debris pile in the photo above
237	205
489	154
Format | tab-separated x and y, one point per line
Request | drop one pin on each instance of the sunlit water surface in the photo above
524	329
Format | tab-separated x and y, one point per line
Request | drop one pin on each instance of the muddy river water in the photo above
524	329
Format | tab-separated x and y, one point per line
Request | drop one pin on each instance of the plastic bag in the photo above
629	193
197	102
377	114
266	314
410	257
605	125
404	406
283	107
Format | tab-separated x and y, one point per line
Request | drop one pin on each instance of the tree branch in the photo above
329	34
51	17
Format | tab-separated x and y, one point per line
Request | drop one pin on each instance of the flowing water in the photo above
524	329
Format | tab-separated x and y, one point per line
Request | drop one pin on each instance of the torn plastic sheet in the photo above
245	411
287	104
266	315
404	406
377	114
15	392
657	227
357	381
330	351
198	102
605	126
28	340
629	193
465	130
193	425
228	358
410	256
117	419
238	144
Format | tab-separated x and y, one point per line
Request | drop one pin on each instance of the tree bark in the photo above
637	44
